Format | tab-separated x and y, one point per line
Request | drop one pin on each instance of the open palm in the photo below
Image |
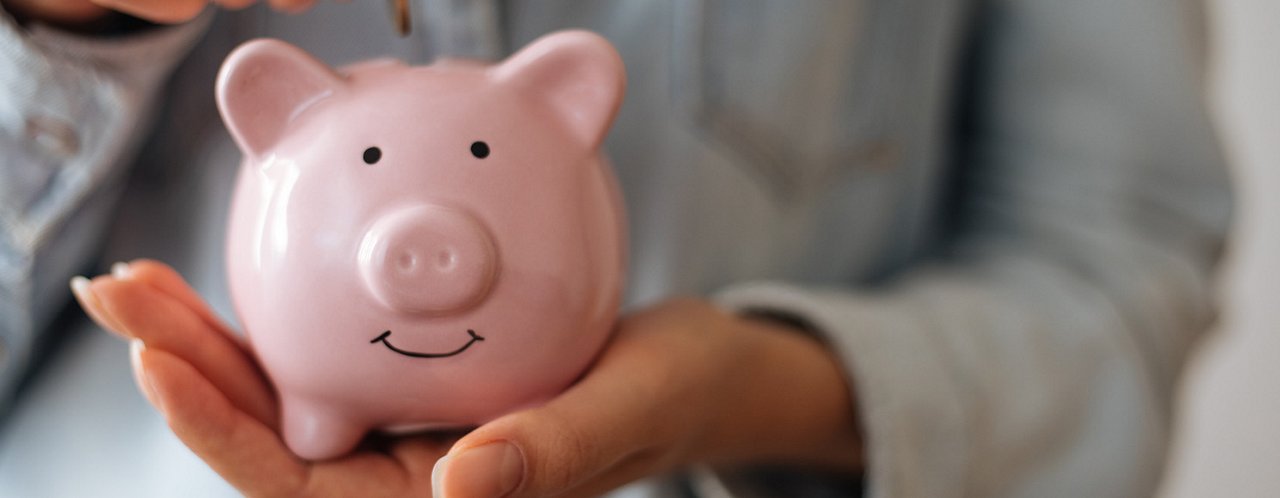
217	400
679	383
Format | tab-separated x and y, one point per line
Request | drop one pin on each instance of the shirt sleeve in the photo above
72	111
1038	355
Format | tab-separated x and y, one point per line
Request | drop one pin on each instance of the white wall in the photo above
1228	442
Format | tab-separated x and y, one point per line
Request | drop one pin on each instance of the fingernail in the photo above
142	377
120	271
489	471
437	472
80	287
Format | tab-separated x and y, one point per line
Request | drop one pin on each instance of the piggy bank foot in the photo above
318	432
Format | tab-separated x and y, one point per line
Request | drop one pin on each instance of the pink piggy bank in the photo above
422	247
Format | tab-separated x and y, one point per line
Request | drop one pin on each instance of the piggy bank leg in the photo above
316	431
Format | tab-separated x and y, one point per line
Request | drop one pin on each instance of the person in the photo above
955	249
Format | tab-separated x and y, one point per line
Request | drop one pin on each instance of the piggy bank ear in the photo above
263	85
577	73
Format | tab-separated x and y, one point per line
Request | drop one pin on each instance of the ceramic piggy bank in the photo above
422	247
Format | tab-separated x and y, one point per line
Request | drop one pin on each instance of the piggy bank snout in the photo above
428	259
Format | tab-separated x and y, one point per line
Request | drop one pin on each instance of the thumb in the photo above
600	434
533	454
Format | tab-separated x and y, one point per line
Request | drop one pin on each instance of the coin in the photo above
400	16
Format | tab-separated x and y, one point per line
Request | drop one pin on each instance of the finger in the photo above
162	322
384	465
418	455
620	475
614	419
246	453
165	279
81	288
162	11
234	4
135	361
291	6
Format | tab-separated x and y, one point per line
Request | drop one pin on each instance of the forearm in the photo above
1038	352
969	370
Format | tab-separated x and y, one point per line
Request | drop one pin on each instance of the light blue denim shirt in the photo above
1003	216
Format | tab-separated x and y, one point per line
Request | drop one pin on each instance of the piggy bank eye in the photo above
372	155
480	150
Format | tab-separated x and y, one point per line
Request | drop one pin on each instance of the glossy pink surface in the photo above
422	246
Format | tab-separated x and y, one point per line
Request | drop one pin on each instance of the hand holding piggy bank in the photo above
422	247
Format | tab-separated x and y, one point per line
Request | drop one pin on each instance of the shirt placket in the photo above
462	28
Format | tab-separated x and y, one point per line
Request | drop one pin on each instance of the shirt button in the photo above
53	136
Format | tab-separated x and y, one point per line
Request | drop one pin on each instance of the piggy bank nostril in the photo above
406	262
446	260
427	259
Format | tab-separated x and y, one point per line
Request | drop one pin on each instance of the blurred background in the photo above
1228	441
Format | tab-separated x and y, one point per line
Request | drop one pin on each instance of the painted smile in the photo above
383	339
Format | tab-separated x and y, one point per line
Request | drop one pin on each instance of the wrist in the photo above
786	401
